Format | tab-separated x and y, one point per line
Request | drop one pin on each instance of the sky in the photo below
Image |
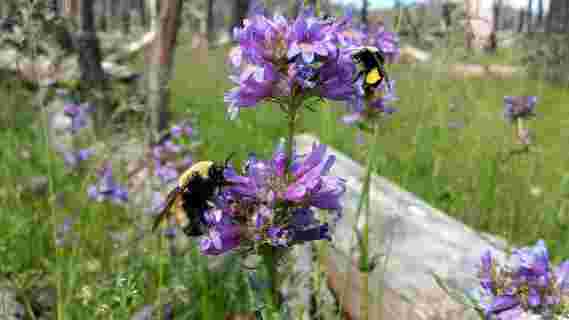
485	3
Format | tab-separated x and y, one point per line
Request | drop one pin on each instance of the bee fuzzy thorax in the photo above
201	168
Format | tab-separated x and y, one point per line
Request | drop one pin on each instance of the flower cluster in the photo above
78	114
165	152
287	61
106	188
516	110
527	282
519	107
268	205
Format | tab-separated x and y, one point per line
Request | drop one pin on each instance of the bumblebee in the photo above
371	62
192	197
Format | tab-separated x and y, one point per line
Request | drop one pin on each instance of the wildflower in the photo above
106	188
519	107
371	107
72	159
276	206
526	283
277	59
79	114
62	232
221	238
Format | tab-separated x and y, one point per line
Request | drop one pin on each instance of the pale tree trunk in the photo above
239	13
93	80
210	23
125	16
71	8
539	12
529	20
161	61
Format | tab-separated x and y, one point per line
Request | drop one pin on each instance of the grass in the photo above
445	145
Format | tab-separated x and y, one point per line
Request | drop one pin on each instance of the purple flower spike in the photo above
221	239
519	107
317	233
107	189
79	116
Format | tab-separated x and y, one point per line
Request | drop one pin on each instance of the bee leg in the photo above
358	76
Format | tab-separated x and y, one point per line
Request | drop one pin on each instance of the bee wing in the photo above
167	210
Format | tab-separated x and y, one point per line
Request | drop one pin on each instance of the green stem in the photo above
364	263
290	139
270	259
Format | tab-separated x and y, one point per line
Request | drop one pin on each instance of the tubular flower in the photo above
527	283
106	188
277	59
266	205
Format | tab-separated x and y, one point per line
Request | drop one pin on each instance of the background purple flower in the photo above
519	107
106	188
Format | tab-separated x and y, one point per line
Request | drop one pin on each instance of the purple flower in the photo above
62	232
387	41
486	271
519	107
279	237
562	276
255	85
531	261
280	205
72	159
166	173
309	38
106	188
377	104
221	238
79	115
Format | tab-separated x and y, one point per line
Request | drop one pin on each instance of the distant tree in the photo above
109	13
239	13
556	17
529	20
210	22
539	12
103	15
365	5
160	64
142	12
521	20
125	7
93	80
448	8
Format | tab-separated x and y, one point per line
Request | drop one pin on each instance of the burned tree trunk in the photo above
103	16
93	80
125	16
529	17
210	23
142	12
540	12
161	60
109	14
241	7
521	21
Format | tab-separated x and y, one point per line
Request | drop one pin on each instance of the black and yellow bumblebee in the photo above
371	62
193	196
